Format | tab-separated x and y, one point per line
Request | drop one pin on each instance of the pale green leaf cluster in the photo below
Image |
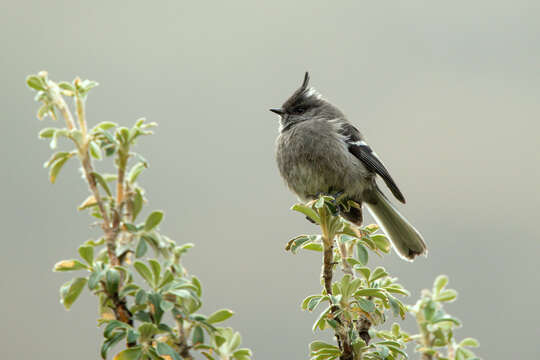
146	285
363	300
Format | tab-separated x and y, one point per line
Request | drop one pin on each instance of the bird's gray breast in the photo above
313	158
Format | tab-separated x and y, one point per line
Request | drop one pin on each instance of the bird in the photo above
319	151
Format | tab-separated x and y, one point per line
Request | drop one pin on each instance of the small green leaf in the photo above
395	305
69	265
88	84
141	297
378	273
129	289
365	271
140	122
87	203
70	291
95	278
137	203
110	343
95	150
182	293
470	342
447	296
399	351
309	212
146	331
87	253
43	111
219	316
306	301
142	247
371	228
207	355
112	325
296	242
99	179
195	281
164	349
439	283
55	169
198	335
156	269
366	305
135	171
153	220
122	134
370	292
112	281
66	86
47	133
319	345
313	246
166	305
381	242
105	125
397	289
313	303
133	353
144	271
55	157
448	319
36	83
319	323
464	354
235	341
361	254
396	330
167	278
242	354
131	228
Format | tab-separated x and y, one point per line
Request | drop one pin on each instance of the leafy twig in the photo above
110	273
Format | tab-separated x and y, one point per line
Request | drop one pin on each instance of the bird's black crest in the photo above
306	81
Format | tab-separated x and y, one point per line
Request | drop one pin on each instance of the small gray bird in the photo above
320	152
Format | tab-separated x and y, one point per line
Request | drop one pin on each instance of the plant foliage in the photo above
134	270
357	306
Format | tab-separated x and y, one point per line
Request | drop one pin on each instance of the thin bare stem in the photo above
81	115
122	162
62	106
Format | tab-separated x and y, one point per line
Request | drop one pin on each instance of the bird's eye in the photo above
299	110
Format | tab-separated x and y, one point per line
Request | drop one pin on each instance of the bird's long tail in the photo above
406	240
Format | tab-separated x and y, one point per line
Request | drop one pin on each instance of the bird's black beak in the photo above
278	111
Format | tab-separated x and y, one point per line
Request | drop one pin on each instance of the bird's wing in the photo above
368	157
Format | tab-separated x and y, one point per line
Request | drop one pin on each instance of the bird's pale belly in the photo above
311	176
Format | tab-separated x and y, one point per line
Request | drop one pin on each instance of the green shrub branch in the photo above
360	303
131	311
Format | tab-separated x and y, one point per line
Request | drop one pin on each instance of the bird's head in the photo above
305	104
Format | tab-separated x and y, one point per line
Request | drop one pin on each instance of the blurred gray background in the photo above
447	94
